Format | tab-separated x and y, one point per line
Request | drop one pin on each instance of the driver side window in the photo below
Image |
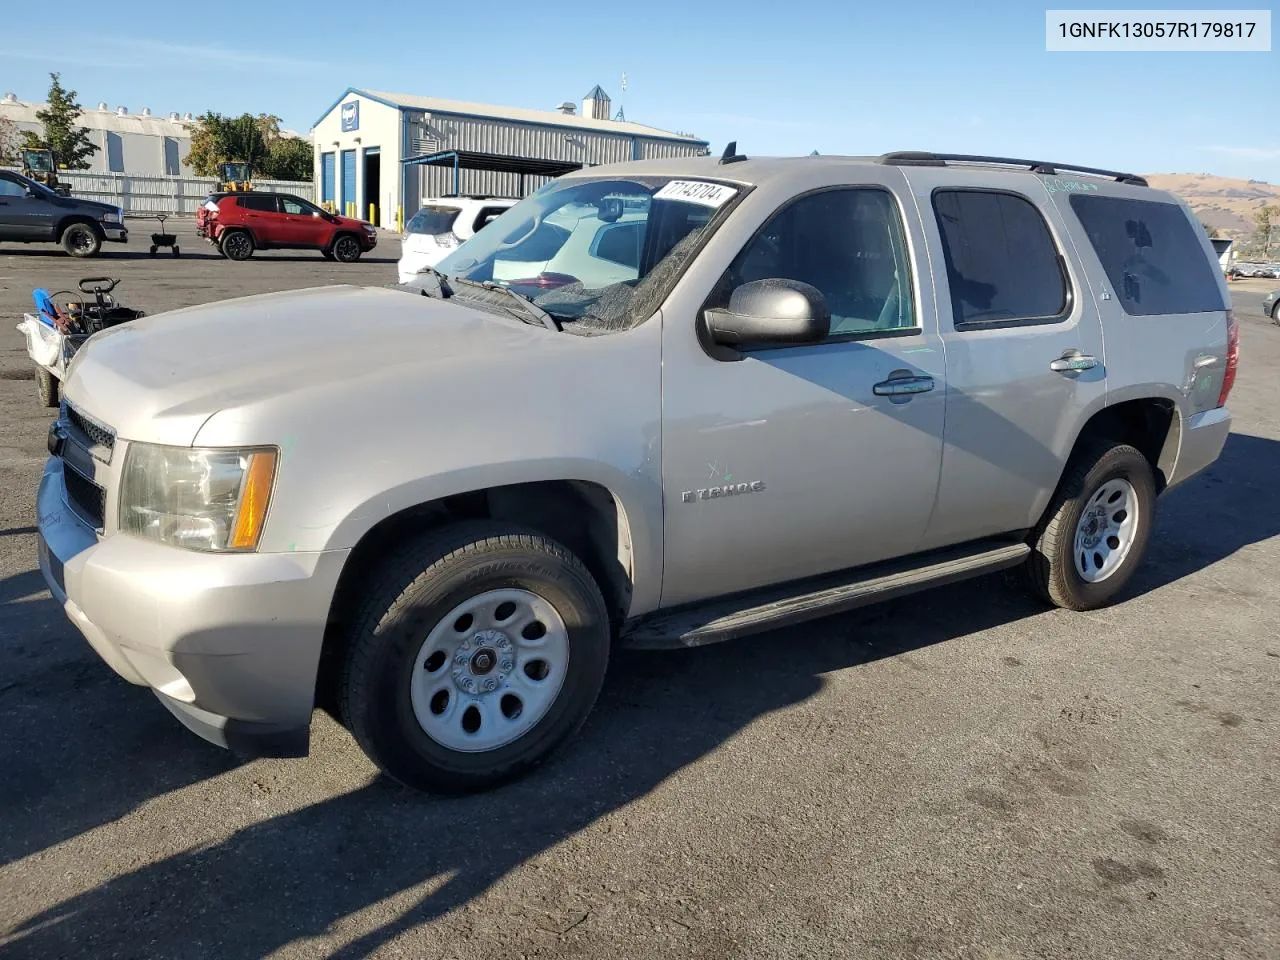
11	188
849	244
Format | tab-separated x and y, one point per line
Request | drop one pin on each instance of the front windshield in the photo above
596	253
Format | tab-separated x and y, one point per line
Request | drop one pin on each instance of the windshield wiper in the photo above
443	290
528	311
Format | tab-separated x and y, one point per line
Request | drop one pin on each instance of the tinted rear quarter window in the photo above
1002	264
432	220
1151	255
261	203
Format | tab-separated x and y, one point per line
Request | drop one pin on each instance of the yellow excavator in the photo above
235	177
42	167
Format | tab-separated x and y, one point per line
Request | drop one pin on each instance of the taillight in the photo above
1233	358
446	240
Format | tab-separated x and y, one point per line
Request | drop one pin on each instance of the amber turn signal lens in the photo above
254	498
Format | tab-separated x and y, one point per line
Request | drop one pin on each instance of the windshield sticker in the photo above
697	191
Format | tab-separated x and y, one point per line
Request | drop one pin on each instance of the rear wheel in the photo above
236	245
1095	531
481	649
346	249
47	387
81	240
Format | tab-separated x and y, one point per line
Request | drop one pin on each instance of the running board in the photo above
768	609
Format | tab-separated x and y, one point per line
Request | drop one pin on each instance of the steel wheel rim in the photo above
1106	530
345	249
489	671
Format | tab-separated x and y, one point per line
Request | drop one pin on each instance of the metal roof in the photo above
488	111
596	93
472	160
110	119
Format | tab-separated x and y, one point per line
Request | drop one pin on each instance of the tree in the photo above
289	158
1213	232
67	139
8	142
1266	228
217	139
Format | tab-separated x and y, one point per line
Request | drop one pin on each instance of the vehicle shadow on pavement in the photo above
297	875
300	874
1232	504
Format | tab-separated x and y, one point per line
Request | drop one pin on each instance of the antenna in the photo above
622	98
731	154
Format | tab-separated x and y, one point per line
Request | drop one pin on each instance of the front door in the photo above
1024	350
24	216
798	461
301	224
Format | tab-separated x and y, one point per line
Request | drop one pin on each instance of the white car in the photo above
440	225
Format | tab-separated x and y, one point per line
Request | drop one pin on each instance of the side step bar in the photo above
725	619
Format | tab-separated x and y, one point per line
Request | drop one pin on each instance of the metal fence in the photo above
156	194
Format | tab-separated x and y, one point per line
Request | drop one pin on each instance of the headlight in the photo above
114	216
370	228
198	498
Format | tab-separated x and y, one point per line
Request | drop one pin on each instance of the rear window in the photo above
1151	254
1002	264
249	202
432	220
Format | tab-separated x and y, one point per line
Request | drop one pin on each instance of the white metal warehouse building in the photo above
379	154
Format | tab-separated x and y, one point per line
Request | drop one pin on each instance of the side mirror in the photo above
771	313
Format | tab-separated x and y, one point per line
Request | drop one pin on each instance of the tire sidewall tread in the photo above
414	588
1051	569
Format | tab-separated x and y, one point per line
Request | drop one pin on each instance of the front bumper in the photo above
230	643
115	232
1200	444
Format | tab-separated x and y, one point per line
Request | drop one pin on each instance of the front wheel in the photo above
481	648
1275	313
346	249
1095	530
47	386
81	240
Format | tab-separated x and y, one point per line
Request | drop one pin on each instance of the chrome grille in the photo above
98	434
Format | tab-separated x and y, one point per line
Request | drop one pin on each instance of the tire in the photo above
346	248
177	252
327	254
409	621
236	245
1108	553
1275	313
81	240
47	387
152	250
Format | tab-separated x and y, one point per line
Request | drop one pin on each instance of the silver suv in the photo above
659	403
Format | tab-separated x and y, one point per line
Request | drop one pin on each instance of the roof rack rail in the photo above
920	158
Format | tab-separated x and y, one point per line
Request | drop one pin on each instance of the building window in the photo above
115	152
172	165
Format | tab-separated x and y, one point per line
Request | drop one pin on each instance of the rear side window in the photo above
486	216
1002	264
1151	254
620	243
260	202
432	220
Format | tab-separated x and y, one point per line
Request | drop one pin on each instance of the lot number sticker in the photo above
696	191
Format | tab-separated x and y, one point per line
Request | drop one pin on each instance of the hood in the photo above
96	207
161	377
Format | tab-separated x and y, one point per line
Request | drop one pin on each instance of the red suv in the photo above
239	223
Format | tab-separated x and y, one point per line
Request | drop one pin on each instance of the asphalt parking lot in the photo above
961	774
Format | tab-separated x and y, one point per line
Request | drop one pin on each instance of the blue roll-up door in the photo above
348	178
326	178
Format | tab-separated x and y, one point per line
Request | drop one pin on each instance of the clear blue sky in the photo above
779	77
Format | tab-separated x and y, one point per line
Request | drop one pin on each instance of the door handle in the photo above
1073	363
903	386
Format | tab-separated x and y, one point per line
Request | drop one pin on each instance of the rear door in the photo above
262	217
302	224
1023	343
